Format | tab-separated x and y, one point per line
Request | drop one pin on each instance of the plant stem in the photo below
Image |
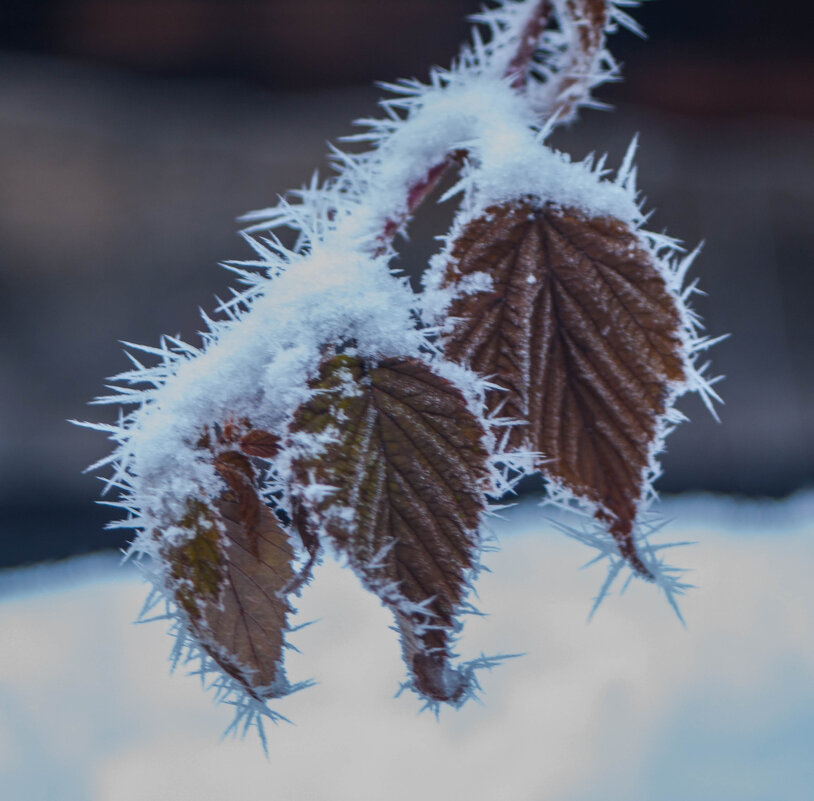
533	29
589	18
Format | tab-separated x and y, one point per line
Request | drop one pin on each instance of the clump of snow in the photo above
257	366
502	138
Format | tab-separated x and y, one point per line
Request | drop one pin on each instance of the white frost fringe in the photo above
334	286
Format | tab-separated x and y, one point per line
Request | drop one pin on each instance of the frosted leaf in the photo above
230	572
410	463
584	337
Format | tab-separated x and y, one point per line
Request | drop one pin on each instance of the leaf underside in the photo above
407	468
582	334
231	576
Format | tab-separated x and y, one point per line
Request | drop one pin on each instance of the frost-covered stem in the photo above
532	31
416	195
518	67
587	21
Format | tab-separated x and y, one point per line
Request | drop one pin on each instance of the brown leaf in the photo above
407	467
231	576
236	470
580	330
260	443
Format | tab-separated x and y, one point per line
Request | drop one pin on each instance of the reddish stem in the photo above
416	195
591	16
536	24
518	67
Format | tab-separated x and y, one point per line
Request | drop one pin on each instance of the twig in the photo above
589	19
533	30
518	70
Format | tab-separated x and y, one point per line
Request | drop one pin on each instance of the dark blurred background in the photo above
134	132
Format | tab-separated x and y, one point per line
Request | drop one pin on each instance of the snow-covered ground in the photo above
631	707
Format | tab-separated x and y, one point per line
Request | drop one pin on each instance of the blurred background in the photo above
134	132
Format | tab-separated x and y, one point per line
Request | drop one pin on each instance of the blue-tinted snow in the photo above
630	707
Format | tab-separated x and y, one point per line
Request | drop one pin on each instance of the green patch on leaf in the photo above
197	566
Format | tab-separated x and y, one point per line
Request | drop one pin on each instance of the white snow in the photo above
630	706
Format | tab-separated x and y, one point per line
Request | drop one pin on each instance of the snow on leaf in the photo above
230	572
408	467
583	335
